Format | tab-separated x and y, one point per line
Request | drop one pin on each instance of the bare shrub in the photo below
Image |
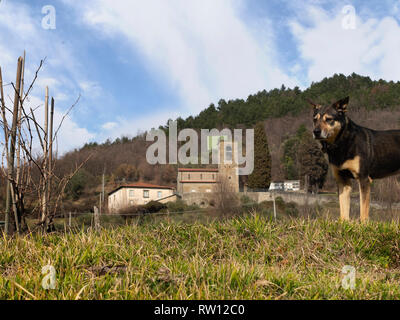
225	200
387	192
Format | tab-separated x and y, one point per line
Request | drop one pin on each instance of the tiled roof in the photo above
197	170
145	185
142	185
197	181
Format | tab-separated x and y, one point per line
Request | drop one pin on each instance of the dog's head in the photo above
329	120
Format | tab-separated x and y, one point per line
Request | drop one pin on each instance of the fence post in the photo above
96	219
13	137
45	155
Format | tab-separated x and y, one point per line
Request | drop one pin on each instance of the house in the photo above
288	185
292	185
204	180
276	186
138	194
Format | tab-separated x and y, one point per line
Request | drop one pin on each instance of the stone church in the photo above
203	181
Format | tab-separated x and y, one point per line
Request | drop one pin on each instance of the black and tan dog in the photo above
355	152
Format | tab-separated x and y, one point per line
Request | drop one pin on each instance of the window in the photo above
146	194
131	193
228	153
159	194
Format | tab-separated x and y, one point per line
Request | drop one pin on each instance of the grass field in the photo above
248	257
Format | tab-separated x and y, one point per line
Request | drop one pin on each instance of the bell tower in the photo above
228	163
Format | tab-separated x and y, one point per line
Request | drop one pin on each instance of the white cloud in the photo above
201	49
133	126
371	49
109	125
90	88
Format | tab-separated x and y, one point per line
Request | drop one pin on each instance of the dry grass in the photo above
250	257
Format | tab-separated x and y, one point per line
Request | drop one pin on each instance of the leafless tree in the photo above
34	179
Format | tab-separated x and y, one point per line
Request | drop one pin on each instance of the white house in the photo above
292	185
288	185
276	186
138	194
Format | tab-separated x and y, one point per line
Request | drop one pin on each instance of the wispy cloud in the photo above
201	49
19	30
327	48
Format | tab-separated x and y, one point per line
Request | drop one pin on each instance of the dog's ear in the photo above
341	105
314	105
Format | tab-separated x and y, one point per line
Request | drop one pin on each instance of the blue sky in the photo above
137	63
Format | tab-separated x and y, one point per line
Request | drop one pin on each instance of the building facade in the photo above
196	180
292	185
138	194
205	180
288	185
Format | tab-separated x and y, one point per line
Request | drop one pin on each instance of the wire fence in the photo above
74	219
201	210
88	218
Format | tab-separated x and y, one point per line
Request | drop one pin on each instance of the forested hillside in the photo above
277	103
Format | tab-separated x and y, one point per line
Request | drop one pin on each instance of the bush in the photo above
180	206
81	180
291	210
245	199
151	207
154	207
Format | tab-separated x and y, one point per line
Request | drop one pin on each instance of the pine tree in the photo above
303	158
261	176
312	163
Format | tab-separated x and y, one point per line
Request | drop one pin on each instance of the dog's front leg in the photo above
344	198
365	194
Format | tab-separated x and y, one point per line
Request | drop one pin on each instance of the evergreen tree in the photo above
290	159
261	176
302	157
313	165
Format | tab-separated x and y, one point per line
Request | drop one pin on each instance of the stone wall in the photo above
296	197
203	199
197	198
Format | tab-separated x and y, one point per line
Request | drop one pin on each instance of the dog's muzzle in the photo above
317	134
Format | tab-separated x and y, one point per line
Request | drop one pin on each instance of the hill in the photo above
365	94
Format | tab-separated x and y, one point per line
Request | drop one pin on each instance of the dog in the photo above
354	152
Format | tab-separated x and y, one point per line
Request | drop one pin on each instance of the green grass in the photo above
249	257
